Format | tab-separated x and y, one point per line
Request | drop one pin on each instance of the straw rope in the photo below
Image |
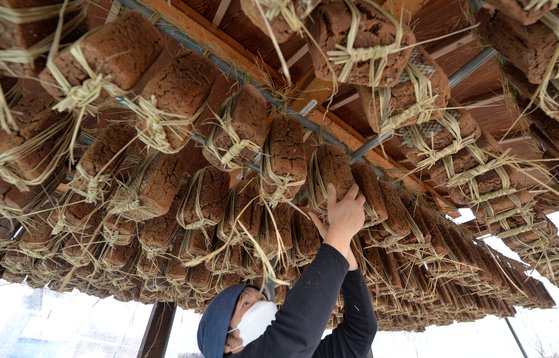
27	56
156	120
415	72
286	10
281	183
7	121
62	130
539	4
194	193
33	14
83	97
228	159
347	55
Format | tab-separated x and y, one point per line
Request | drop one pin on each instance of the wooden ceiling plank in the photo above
188	21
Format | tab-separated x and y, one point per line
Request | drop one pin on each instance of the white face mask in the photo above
255	321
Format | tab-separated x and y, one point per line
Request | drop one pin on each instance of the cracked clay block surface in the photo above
396	220
159	232
305	235
98	157
249	215
199	276
132	36
181	88
487	182
547	125
515	10
463	160
5	230
442	137
329	25
287	152
213	196
119	256
79	213
12	197
529	48
367	180
194	244
403	96
282	218
333	163
162	181
33	116
248	118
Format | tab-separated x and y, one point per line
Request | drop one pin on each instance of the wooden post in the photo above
158	331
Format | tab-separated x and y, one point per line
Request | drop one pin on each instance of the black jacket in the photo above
301	321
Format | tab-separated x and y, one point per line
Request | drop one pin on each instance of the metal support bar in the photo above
372	143
472	66
516	338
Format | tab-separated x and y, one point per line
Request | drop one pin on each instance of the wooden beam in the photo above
190	22
158	331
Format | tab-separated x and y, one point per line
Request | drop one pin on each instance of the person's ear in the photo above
227	349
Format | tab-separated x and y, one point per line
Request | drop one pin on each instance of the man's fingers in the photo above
352	192
332	199
318	223
361	199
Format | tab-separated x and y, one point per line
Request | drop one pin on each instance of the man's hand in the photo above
346	218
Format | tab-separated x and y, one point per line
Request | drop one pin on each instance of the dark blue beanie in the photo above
214	324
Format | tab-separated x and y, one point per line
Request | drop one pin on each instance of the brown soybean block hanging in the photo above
329	25
37	238
175	272
180	91
121	50
439	134
420	94
199	277
80	251
239	130
329	164
284	167
195	243
149	266
412	206
484	150
486	183
367	180
525	12
118	230
6	232
28	28
306	240
396	222
437	239
223	88
530	48
95	167
158	233
30	151
508	203
156	185
116	257
205	201
275	235
75	216
243	214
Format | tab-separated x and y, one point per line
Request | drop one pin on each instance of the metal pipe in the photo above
516	338
472	66
372	143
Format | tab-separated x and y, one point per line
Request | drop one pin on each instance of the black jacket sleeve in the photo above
354	336
301	321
